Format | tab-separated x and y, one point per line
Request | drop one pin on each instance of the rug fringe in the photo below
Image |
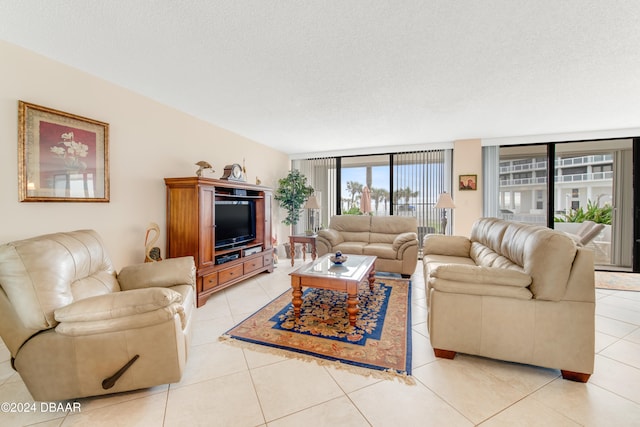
384	375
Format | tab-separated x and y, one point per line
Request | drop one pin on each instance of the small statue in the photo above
203	166
258	181
152	253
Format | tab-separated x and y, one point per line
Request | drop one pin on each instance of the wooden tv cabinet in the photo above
191	229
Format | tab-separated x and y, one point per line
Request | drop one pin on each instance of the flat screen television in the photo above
235	222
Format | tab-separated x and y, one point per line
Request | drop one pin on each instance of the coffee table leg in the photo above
372	279
352	302
297	296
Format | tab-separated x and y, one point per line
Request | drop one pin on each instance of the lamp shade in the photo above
444	201
312	203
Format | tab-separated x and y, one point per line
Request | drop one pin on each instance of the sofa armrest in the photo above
118	311
405	239
332	236
440	244
170	272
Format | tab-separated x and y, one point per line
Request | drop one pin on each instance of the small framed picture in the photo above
468	182
61	157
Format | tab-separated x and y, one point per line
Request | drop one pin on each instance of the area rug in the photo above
618	281
378	345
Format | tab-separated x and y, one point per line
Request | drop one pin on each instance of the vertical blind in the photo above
321	175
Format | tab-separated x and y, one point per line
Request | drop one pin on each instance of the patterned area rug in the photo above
618	281
378	345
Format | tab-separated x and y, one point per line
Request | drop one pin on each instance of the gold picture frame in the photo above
468	182
62	157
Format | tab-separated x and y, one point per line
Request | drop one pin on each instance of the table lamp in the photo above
444	202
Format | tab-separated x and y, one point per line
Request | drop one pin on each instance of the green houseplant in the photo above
292	193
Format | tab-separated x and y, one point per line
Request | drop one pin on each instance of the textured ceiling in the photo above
308	76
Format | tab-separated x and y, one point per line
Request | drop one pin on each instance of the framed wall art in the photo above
61	157
468	182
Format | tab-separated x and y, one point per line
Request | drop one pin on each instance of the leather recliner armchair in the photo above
74	328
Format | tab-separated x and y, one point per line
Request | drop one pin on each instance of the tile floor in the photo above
228	386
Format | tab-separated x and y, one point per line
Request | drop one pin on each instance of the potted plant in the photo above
292	193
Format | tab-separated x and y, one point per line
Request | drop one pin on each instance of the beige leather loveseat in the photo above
513	292
71	325
393	239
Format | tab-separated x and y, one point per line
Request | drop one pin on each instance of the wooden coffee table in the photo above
323	274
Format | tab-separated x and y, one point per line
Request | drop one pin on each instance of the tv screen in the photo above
235	222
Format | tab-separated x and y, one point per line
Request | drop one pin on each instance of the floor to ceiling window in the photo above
384	184
592	181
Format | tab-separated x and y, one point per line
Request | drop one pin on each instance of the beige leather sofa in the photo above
513	292
71	324
393	239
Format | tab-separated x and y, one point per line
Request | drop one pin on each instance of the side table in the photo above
304	239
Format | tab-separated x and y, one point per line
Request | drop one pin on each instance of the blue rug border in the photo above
409	338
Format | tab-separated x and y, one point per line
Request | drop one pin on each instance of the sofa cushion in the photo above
381	250
351	223
476	274
356	236
386	229
356	248
480	289
487	257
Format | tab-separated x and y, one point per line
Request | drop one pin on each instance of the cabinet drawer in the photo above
268	259
209	281
229	273
252	265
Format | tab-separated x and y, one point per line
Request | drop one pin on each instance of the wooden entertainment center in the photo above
191	230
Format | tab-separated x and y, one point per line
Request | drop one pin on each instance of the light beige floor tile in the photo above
53	423
6	371
526	378
628	295
210	361
391	403
5	354
225	401
16	393
588	404
620	301
144	411
422	351
292	385
617	378
603	341
215	306
531	413
614	327
634	336
609	308
418	314
477	394
262	356
337	412
209	330
421	328
350	381
92	403
624	351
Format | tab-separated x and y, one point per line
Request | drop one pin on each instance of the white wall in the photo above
148	141
467	160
